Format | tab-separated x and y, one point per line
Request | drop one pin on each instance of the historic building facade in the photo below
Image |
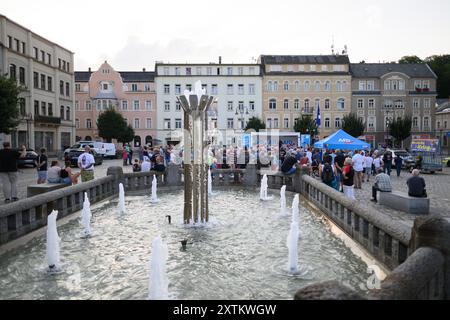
45	70
443	122
237	88
132	93
382	92
295	86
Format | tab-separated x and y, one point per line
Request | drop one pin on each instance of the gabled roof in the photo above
377	70
442	105
302	59
82	76
127	76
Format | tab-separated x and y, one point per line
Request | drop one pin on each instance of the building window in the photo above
148	123
317	85
297	85
198	71
251	105
371	122
166	105
42	81
68	113
306	86
214	89
327	86
177	89
327	103
241	106
36	79
136	104
36	53
426	103
49	84
209	71
438	124
230	123
252	71
50	109
338	86
205	87
77	87
124	105
67	89
188	87
147	87
10	42
134	87
136	123
286	122
327	122
269	86
88	124
251	88
43	108
148	105
22	75
241	71
275	86
99	105
275	123
49	58
317	103
230	106
61	87
36	107
398	104
360	103
188	71
77	123
77	105
370	85
166	71
371	103
240	89
415	122
340	104
88	105
415	103
12	71
177	106
296	104
229	89
61	112
177	72
166	89
230	71
312	67
306	110
42	56
362	86
286	86
426	123
337	122
272	104
166	123
178	123
105	87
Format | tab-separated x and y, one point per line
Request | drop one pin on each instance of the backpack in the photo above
327	173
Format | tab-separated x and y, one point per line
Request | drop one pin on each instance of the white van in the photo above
98	146
110	150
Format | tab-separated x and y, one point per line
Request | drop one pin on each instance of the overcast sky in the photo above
134	34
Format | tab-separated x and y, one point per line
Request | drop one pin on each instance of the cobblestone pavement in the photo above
438	189
28	176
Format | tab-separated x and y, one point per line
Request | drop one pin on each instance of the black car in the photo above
29	160
75	153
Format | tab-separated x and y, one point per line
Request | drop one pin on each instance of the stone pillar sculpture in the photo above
195	105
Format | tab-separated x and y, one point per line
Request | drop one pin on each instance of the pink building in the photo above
131	93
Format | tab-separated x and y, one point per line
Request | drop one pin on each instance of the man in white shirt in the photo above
358	166
309	155
368	160
145	165
86	163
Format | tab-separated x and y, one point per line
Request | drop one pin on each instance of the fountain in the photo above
154	187
159	284
263	192
210	192
283	209
295	208
86	216
121	206
52	252
292	243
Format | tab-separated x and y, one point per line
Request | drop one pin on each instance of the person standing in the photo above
339	165
387	160
368	161
398	161
42	166
348	174
8	170
86	163
358	166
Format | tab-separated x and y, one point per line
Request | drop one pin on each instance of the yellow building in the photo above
294	86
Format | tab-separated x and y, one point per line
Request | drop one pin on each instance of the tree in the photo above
9	99
440	64
255	123
400	129
126	135
111	125
306	125
353	125
410	59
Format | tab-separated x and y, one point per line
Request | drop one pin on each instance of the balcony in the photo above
47	119
422	91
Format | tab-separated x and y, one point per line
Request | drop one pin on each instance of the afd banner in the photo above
425	145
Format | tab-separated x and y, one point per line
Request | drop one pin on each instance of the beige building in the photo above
45	69
443	122
294	86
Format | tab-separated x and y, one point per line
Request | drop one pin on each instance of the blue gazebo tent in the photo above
341	140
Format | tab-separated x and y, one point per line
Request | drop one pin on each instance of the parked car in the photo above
110	150
29	160
99	147
75	153
408	159
446	161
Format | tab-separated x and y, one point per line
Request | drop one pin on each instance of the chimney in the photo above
220	59
143	69
89	69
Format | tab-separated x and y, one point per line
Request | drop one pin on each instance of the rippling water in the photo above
240	254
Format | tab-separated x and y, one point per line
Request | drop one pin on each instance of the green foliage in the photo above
9	109
440	64
353	125
306	125
410	59
400	129
111	125
255	123
127	134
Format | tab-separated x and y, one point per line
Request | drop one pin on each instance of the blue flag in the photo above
318	116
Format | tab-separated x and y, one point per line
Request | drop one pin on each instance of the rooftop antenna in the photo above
345	50
332	44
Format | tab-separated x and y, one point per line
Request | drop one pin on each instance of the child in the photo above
136	166
124	157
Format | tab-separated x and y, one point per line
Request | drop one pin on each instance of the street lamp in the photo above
28	117
241	110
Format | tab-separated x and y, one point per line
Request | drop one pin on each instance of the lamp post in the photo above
388	124
242	111
28	117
